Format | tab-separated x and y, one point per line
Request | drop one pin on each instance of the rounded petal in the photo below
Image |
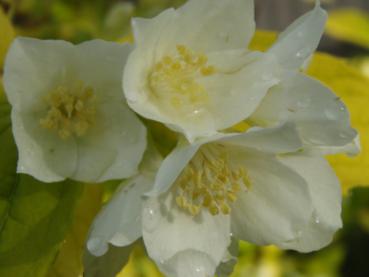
276	205
168	231
202	25
119	223
41	153
298	42
99	64
113	148
31	69
320	116
326	193
188	263
236	94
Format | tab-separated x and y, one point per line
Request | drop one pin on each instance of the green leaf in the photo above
69	260
34	216
7	35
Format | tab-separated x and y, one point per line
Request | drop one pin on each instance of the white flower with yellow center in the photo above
256	186
266	185
191	69
69	116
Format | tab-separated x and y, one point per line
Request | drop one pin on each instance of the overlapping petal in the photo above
320	116
115	141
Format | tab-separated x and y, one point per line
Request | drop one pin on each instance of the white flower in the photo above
255	186
266	186
69	117
191	70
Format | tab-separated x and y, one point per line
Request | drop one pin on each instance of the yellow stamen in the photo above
210	181
174	80
70	111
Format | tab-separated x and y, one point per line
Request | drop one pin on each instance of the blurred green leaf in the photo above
7	35
350	25
34	217
69	259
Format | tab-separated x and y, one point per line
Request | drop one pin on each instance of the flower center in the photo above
71	111
210	181
173	80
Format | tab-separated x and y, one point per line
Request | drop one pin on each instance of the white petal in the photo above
108	265
202	25
321	118
113	148
188	263
167	231
275	206
31	69
100	64
351	149
235	95
281	139
326	193
119	223
42	153
171	167
298	42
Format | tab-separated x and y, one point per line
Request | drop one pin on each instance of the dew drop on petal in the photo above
150	219
330	114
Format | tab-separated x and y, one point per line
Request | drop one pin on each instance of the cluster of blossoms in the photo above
75	116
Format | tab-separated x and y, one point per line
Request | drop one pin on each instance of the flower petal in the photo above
325	191
113	148
41	153
202	25
171	167
167	230
321	118
276	204
235	95
119	223
280	139
298	42
32	66
188	263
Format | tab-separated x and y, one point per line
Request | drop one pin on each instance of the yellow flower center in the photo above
210	181
173	80
71	111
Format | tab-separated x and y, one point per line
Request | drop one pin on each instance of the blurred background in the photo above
347	36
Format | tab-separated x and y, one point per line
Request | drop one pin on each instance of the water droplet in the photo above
231	234
200	270
317	220
330	114
150	219
342	109
303	103
343	135
303	53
